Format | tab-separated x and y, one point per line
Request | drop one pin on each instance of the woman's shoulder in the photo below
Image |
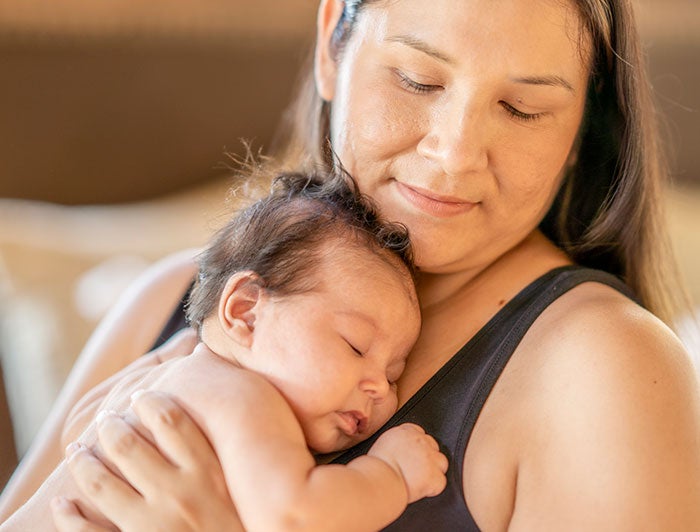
597	404
597	321
611	400
132	325
601	403
595	335
164	282
177	268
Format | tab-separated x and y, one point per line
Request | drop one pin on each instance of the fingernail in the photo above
59	502
136	395
73	448
102	414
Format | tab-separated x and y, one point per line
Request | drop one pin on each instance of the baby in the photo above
306	311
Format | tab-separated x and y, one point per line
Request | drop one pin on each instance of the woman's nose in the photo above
455	139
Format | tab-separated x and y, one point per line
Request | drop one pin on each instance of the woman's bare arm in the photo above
127	332
614	433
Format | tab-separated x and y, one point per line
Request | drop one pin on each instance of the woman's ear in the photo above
325	65
238	306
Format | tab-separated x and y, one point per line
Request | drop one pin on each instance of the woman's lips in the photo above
433	204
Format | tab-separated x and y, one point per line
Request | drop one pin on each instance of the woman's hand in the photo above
175	485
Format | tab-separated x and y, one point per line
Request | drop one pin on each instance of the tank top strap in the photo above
448	405
502	335
177	320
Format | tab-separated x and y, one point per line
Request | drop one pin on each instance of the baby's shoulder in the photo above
220	395
212	381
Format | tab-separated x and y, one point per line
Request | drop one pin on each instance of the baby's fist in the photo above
416	456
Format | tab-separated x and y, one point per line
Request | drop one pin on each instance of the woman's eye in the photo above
413	86
519	115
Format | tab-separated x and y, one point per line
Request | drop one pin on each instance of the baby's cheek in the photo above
386	409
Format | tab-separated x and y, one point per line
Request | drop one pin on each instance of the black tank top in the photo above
448	405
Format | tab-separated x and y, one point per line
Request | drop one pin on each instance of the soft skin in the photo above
292	374
594	424
457	155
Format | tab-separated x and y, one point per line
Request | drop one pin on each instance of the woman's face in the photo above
458	118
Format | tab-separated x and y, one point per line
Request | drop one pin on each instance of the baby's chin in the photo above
335	441
333	447
337	444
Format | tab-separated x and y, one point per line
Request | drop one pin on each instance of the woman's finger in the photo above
197	491
175	433
175	483
67	517
105	490
138	461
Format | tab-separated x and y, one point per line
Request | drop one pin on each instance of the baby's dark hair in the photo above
280	238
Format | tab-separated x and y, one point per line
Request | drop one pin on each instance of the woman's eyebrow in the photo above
421	46
551	81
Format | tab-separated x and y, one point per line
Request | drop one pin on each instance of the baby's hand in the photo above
416	457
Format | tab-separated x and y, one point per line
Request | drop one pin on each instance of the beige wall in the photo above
124	100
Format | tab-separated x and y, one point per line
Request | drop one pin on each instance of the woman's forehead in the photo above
528	34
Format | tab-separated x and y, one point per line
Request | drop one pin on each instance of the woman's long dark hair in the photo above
609	211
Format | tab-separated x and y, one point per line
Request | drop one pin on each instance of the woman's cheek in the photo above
389	112
386	125
533	192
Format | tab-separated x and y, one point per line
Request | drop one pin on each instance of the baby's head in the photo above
311	289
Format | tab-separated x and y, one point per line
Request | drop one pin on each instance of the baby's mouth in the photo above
353	422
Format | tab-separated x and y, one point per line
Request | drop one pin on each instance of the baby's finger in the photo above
433	442
67	517
438	485
175	433
443	463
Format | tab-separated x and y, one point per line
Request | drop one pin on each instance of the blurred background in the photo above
114	120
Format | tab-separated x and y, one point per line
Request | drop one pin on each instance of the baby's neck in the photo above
212	345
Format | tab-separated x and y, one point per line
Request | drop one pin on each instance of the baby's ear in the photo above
238	306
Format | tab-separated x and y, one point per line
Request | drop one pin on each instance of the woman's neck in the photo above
456	306
522	264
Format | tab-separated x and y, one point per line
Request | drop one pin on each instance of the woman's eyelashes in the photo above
413	86
422	88
519	115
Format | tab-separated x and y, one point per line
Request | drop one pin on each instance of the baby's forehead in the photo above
355	251
367	263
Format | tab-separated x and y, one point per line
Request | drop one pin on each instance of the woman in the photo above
514	139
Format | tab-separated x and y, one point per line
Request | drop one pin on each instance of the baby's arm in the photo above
272	477
404	465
